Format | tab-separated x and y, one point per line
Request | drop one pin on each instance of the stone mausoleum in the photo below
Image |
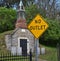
21	40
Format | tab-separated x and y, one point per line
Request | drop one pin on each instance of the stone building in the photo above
21	40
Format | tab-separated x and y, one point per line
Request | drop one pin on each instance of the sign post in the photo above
37	27
36	50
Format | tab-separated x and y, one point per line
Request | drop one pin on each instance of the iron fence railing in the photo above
10	57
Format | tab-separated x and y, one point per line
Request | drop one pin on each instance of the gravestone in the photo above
43	50
38	51
19	51
13	50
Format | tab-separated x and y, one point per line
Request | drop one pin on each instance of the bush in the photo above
52	34
7	19
32	11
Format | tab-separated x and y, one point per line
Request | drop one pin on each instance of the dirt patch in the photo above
38	59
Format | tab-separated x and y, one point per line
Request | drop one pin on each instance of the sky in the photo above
58	4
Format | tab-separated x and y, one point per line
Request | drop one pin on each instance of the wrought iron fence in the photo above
10	57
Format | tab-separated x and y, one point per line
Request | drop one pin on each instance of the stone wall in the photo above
26	34
12	40
8	41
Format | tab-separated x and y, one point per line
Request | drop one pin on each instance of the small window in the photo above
23	30
21	7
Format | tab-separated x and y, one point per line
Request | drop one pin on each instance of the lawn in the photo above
51	54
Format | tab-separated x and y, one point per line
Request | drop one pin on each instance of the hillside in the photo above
2	41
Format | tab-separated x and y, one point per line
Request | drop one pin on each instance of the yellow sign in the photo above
37	26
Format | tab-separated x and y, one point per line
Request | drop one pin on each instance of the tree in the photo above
29	10
7	19
32	11
15	2
52	35
49	6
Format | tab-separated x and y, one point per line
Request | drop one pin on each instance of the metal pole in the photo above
30	55
36	51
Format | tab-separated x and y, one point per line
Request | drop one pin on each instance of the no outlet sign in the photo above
37	26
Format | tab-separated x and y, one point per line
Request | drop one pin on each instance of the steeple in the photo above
21	5
21	21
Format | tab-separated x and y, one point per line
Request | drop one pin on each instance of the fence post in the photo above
30	55
58	51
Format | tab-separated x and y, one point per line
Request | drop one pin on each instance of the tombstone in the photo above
42	50
38	51
19	51
13	50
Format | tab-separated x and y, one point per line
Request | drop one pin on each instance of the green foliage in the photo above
7	19
32	11
52	35
53	32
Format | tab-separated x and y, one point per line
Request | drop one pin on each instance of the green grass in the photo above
51	54
14	58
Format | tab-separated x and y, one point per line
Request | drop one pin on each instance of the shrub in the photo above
7	19
52	34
